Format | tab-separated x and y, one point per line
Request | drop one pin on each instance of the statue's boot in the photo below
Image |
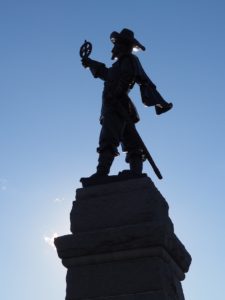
105	161
163	107
136	164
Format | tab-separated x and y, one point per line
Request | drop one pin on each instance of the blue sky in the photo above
49	109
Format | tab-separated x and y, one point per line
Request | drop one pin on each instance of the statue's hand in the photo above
86	62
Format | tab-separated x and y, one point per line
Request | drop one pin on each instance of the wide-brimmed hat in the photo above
125	35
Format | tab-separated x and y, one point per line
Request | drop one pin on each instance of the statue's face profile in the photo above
119	49
115	51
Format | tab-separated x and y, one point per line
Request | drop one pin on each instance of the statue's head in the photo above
124	42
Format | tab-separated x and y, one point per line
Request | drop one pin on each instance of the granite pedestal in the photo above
123	245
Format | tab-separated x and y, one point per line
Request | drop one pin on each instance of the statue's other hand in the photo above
86	62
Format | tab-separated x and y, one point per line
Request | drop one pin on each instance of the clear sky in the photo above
49	109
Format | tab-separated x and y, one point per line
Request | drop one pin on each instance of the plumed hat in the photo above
126	36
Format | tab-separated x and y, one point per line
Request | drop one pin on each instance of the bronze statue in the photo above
118	113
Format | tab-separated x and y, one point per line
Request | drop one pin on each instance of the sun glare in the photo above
50	240
135	49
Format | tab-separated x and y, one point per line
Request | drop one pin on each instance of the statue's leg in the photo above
135	160
105	161
109	140
134	153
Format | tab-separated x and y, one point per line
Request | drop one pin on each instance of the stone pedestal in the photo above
122	245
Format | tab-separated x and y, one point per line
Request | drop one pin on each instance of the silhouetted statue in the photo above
118	113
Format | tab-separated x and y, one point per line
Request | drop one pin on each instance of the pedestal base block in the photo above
127	275
123	245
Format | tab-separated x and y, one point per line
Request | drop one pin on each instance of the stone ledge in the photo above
122	176
125	255
124	238
116	187
154	295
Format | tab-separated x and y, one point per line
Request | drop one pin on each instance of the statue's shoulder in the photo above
134	61
129	59
135	58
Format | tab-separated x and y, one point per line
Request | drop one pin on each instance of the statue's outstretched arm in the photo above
98	69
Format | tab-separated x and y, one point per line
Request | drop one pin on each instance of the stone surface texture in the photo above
123	245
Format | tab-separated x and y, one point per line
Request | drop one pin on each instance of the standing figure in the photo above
118	81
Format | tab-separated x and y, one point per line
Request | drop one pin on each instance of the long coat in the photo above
118	80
